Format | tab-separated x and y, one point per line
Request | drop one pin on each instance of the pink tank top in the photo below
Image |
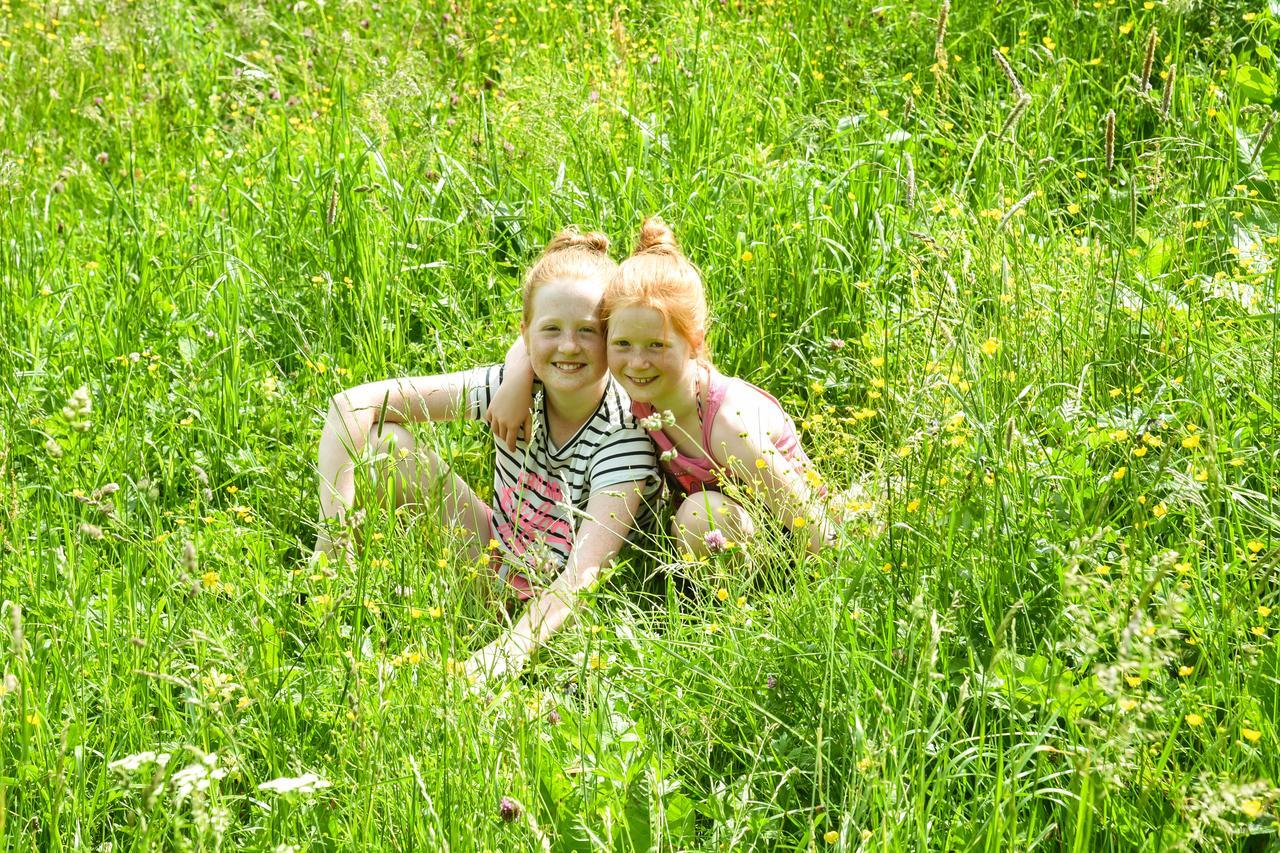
696	474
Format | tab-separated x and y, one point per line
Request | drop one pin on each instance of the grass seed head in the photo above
1110	140
1008	72
940	43
15	632
1015	115
1166	99
1262	138
909	181
1148	59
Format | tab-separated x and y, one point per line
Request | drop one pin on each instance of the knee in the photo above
691	516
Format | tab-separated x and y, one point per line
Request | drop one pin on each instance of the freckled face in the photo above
565	337
652	362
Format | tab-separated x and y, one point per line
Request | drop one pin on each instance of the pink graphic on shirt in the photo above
525	506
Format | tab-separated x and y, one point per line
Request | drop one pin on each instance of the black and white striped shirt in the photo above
540	492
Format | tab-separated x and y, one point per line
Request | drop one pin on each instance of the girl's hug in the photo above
610	374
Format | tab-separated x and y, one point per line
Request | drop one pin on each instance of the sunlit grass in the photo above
1051	359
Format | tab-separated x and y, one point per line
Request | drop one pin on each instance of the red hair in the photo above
659	276
570	254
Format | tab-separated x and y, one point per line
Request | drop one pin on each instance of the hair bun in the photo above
656	236
572	238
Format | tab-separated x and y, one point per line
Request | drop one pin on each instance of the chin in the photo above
639	393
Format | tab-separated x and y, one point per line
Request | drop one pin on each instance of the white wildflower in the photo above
307	783
134	763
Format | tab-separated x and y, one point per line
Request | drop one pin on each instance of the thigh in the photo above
703	512
416	476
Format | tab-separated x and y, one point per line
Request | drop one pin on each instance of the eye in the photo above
621	343
658	345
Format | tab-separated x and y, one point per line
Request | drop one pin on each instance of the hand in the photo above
495	662
509	414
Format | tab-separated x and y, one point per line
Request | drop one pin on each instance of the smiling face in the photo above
654	364
565	337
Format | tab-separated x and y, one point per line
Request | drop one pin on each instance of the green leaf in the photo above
1254	84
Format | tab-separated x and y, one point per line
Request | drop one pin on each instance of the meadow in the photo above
1012	266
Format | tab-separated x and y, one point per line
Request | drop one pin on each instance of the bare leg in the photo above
414	473
417	477
703	512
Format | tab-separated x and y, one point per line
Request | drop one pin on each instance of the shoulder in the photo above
747	414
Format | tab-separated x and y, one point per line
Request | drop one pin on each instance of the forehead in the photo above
636	320
577	297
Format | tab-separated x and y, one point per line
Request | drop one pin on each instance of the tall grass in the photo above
1051	359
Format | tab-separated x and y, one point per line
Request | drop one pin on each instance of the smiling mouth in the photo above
641	381
569	366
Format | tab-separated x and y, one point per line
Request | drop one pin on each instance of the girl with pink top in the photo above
713	432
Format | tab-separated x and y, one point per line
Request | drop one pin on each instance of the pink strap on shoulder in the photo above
717	387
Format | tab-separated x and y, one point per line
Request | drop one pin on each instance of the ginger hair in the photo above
658	275
571	254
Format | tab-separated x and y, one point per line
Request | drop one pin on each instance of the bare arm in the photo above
741	439
610	517
353	414
510	411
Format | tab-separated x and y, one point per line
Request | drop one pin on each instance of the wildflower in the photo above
798	522
1119	473
553	717
716	542
1159	510
1192	441
1254	546
913	505
990	346
91	531
307	783
1251	735
102	158
134	763
1258	631
1264	611
670	456
1185	670
831	836
747	256
651	422
1251	808
770	682
508	810
1194	720
722	594
76	411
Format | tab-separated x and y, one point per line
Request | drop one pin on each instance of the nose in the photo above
640	361
570	343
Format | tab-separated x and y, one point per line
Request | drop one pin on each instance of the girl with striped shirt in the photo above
566	495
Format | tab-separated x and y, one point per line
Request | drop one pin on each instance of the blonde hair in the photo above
571	254
658	275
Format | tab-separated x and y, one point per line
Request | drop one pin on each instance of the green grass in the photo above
1059	381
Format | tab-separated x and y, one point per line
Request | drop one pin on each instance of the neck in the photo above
683	402
574	409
